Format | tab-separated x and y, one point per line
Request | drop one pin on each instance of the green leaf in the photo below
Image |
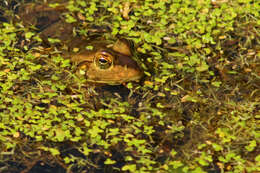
109	162
217	147
257	158
89	47
69	18
53	40
216	83
176	164
60	134
251	146
29	35
202	67
95	131
131	168
54	151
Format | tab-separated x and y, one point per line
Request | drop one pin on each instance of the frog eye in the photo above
103	60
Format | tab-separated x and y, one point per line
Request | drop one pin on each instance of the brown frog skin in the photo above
105	63
108	64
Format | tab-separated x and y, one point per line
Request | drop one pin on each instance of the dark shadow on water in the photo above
120	89
42	167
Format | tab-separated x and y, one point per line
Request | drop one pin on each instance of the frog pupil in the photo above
102	60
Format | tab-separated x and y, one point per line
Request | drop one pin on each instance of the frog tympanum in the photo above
105	63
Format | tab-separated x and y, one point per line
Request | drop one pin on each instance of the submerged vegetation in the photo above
196	109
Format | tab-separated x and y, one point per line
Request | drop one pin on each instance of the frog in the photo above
106	63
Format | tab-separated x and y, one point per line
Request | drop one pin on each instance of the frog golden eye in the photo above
103	60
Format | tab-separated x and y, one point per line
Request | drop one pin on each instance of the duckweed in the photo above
196	109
